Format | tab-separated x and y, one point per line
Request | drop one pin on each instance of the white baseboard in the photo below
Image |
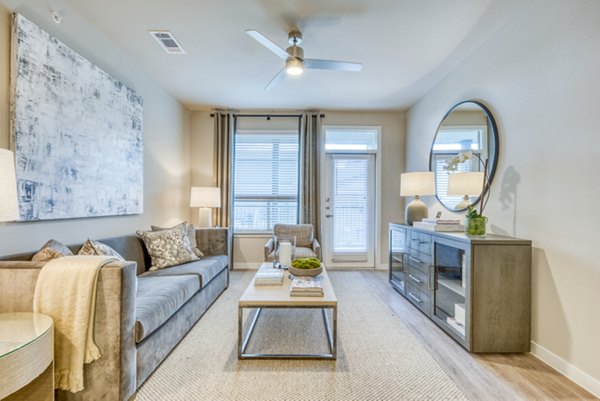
382	266
569	370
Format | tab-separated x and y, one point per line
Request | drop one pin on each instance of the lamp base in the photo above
205	217
465	203
416	211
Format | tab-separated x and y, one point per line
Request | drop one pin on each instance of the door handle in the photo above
328	215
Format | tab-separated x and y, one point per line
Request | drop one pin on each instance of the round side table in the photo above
26	356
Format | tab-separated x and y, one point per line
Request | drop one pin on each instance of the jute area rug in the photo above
378	357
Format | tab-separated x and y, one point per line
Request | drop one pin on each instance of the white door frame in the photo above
323	188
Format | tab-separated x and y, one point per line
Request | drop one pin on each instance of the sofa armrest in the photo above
17	284
316	247
213	241
113	376
269	246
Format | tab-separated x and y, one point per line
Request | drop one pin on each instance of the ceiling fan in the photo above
295	63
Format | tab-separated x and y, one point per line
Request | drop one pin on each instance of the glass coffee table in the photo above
278	297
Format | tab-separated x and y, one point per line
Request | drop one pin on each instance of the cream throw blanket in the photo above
66	291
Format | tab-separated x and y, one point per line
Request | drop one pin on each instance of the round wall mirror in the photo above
466	142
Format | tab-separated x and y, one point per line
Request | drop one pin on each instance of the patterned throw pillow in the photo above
191	233
91	247
51	250
168	247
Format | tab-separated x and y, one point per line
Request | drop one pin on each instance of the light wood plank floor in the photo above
480	376
486	377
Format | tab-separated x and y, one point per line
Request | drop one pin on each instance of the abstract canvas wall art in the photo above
76	132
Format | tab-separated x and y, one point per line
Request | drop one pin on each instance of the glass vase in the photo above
475	226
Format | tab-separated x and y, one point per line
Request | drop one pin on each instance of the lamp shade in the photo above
205	197
9	207
419	183
465	183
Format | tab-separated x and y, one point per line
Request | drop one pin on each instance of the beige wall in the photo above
248	251
462	118
539	74
166	139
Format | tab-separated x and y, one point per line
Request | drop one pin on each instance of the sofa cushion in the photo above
168	247
158	298
91	247
191	232
204	269
51	250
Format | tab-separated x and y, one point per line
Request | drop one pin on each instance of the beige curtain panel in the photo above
223	165
310	196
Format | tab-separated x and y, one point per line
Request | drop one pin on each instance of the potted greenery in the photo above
475	221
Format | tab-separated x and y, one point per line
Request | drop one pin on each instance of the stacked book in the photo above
443	225
306	287
269	277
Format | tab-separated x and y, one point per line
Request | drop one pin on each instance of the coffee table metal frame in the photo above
278	297
330	328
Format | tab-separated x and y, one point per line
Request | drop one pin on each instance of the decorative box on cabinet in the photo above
478	290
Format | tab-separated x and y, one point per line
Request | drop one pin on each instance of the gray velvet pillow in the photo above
91	247
168	247
191	233
51	250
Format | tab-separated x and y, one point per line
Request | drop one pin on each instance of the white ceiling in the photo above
406	47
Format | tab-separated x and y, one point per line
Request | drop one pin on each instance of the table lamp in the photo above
205	198
465	184
9	206
417	184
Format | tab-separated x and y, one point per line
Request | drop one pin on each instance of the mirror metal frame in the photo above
495	138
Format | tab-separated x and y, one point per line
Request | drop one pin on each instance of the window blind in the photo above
265	179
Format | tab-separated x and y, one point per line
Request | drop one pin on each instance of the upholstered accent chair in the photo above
307	245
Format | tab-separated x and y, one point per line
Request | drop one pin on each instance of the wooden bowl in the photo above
306	272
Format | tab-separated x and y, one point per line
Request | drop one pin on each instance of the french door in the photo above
348	210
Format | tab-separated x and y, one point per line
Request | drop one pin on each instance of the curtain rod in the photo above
270	115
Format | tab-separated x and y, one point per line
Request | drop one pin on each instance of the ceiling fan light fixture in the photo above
293	66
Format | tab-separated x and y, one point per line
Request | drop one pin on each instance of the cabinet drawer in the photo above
418	260
420	299
418	279
420	242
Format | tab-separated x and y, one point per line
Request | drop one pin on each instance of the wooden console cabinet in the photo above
478	290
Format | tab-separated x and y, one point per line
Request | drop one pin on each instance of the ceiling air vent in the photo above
167	41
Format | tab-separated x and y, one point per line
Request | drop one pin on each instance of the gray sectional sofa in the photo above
140	315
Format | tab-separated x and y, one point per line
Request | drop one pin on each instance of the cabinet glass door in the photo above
398	248
450	287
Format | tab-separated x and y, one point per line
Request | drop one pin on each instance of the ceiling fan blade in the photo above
268	43
331	65
276	79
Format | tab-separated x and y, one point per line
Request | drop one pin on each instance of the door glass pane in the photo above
350	206
450	286
398	242
350	140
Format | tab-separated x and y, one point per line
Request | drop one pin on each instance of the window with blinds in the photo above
265	170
